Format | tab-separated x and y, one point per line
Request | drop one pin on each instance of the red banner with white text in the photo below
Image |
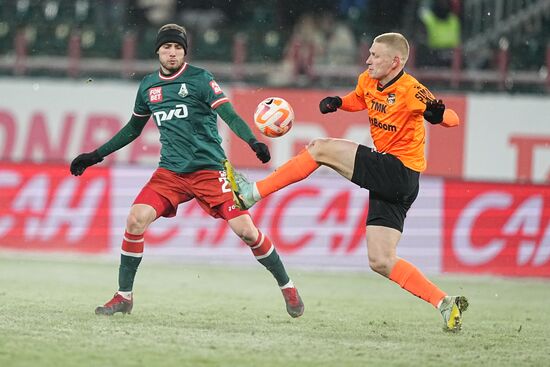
497	229
44	208
453	226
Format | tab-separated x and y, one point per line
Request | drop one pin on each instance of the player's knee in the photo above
380	265
318	148
136	223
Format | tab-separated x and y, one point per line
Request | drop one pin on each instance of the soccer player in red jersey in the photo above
397	105
184	101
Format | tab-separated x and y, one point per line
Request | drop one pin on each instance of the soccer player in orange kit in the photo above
397	105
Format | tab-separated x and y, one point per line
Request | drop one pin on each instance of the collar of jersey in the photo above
380	88
173	76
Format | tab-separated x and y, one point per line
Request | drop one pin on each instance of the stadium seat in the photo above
145	44
6	37
266	46
213	44
51	39
102	43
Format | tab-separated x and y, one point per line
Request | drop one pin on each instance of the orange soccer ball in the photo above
274	117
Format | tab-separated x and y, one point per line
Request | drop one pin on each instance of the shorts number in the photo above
225	184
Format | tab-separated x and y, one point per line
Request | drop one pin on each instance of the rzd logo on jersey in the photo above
179	112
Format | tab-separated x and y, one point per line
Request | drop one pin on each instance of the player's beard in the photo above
172	68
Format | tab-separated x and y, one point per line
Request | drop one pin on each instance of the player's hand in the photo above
434	111
83	161
330	104
261	150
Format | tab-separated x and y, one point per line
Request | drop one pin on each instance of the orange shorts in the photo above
166	190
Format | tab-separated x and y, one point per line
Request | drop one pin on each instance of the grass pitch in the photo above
227	316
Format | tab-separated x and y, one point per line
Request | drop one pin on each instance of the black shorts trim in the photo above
392	186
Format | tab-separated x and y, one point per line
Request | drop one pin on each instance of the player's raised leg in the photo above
338	154
247	193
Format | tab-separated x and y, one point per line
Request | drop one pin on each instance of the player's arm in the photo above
241	129
125	136
350	102
420	100
436	113
353	102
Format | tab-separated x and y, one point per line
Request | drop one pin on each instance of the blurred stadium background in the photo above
69	70
501	45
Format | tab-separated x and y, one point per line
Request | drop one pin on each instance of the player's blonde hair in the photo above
396	42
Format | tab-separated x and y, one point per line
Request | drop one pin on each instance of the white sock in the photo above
255	193
127	295
440	303
288	285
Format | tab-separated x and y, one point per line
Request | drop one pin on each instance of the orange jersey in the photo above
395	116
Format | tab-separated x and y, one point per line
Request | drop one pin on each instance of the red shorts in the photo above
166	190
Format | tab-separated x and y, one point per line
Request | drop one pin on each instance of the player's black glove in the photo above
330	104
261	150
83	161
434	111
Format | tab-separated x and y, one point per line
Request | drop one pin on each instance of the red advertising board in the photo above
478	228
445	146
496	229
43	207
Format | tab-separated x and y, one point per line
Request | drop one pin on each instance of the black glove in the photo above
434	111
83	161
261	150
330	104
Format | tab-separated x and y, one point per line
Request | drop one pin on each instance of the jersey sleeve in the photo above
235	122
417	96
355	100
141	109
212	93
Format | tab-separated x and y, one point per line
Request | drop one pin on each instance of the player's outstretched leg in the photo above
451	309
241	188
117	304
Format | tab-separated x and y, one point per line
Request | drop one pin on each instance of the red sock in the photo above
410	278
262	247
132	244
294	170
